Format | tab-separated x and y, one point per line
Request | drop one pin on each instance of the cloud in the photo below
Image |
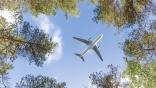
44	23
8	15
58	51
54	31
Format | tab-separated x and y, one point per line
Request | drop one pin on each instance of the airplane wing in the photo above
95	48
83	40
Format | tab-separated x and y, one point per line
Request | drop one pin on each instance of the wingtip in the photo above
102	60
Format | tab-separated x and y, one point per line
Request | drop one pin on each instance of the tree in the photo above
21	39
141	43
27	41
4	67
141	75
9	4
102	80
123	12
48	7
30	81
140	52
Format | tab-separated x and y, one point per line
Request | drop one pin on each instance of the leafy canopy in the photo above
102	80
141	75
122	12
48	7
27	41
30	81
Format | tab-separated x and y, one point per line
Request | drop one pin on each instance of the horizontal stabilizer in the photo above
79	55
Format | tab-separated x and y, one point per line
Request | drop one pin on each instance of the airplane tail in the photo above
79	55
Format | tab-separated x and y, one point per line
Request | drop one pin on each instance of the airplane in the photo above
91	45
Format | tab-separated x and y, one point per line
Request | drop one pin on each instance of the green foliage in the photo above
122	12
106	11
28	41
133	49
94	1
102	80
5	66
140	52
141	75
141	43
10	4
30	81
20	39
35	44
7	47
50	7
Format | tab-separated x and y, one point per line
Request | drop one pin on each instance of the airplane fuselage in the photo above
91	45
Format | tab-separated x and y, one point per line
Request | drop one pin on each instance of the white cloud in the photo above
44	23
49	27
8	15
58	51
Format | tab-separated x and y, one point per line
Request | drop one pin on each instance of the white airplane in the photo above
92	45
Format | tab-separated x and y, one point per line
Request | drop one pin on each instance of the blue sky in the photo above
64	65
